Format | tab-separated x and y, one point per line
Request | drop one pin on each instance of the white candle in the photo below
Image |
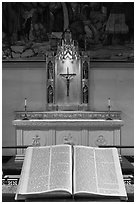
25	101
109	102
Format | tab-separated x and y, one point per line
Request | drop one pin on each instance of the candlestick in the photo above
109	102
25	101
109	109
25	117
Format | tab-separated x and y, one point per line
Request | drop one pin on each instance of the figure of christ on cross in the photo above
68	77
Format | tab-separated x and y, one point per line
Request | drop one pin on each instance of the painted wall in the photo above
114	80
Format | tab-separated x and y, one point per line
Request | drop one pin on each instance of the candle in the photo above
109	102
25	101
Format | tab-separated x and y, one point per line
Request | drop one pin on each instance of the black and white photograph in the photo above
67	101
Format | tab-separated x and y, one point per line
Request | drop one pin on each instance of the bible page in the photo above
35	172
97	171
109	176
61	168
23	181
85	180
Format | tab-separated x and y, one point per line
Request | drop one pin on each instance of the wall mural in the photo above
104	30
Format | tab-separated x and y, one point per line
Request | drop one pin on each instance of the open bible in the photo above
71	170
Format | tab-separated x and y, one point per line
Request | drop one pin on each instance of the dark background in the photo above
45	18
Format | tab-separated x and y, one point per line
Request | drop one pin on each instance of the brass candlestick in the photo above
25	117
109	113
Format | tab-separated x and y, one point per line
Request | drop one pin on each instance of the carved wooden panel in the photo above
100	137
68	136
69	130
46	137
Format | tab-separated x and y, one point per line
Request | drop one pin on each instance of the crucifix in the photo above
68	77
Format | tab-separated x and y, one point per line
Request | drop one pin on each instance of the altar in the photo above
62	127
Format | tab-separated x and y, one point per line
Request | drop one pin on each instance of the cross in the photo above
68	77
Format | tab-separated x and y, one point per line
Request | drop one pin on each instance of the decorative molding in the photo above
75	123
115	115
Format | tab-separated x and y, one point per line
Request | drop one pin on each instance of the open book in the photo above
71	170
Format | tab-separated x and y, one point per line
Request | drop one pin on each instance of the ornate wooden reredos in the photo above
67	76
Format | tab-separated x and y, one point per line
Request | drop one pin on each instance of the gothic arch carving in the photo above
85	94
85	70
50	70
50	94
